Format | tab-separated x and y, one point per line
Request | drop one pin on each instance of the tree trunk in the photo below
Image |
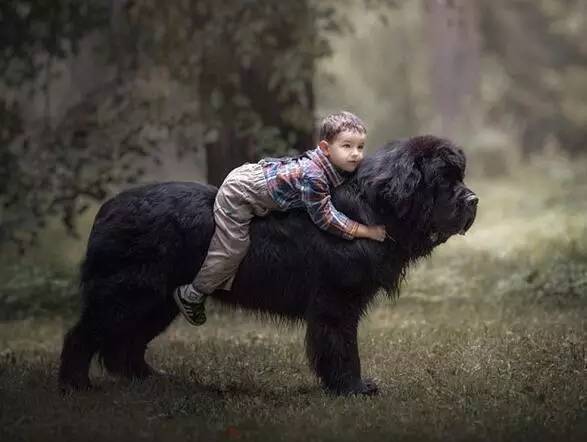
231	148
453	35
229	152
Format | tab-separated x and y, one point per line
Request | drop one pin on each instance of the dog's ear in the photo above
397	192
390	179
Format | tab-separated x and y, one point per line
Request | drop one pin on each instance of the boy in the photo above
255	189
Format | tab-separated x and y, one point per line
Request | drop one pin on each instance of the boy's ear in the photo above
323	145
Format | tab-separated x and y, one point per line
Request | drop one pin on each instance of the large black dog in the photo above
148	240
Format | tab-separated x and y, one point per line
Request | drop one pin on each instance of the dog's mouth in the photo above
467	226
438	237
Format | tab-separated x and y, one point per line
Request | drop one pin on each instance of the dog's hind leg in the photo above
104	316
124	354
112	306
148	328
79	346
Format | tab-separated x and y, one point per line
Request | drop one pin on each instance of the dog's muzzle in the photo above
471	202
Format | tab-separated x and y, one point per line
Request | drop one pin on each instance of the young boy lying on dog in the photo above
255	189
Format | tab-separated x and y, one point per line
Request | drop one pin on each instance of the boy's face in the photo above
345	151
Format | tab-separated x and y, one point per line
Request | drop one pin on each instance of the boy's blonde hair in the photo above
338	122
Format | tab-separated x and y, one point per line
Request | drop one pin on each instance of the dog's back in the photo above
167	225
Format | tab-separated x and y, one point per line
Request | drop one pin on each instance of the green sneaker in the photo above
191	304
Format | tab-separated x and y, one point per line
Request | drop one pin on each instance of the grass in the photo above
487	342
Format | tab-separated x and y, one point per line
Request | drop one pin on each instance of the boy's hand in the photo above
376	233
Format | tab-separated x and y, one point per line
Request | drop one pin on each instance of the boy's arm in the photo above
377	233
316	197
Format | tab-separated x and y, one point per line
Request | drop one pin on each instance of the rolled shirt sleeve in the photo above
315	194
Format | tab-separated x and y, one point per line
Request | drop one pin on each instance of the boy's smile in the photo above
345	151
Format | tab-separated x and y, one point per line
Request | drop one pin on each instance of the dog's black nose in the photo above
472	200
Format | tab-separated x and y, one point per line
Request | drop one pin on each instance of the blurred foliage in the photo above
537	50
563	282
254	90
234	77
533	77
237	78
33	29
34	34
37	291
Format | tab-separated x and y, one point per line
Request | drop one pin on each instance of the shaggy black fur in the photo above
148	240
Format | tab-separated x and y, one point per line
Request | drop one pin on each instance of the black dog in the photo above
148	240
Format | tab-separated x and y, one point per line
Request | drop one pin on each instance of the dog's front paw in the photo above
366	387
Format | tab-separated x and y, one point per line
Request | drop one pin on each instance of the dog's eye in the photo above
444	188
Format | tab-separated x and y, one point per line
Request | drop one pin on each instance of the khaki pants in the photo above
242	195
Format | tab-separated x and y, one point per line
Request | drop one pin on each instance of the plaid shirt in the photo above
305	182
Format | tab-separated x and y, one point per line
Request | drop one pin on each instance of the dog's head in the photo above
416	187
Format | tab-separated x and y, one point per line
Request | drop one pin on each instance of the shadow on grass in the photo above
417	406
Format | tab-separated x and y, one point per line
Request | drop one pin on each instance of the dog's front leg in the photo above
332	350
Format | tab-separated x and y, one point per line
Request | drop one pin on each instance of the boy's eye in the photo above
361	147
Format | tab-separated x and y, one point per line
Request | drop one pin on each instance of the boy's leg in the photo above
229	244
242	196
